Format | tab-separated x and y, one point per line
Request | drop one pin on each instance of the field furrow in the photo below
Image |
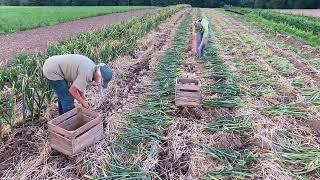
258	117
305	61
132	83
284	41
40	39
274	105
137	151
294	79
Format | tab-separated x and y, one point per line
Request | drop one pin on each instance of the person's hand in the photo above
199	52
194	51
85	105
82	95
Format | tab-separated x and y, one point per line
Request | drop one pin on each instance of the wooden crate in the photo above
188	92
71	132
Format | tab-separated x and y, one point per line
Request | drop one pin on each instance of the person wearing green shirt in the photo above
200	37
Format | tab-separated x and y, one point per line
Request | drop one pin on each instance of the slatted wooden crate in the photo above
71	132
188	92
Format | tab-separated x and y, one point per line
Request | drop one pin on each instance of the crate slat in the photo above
88	125
185	81
73	131
188	87
188	92
88	138
60	143
64	116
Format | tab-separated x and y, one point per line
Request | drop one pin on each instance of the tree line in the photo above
272	4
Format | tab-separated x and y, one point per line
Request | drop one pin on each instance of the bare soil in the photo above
228	141
130	83
18	143
40	39
305	12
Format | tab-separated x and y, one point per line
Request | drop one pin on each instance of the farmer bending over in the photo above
200	37
77	69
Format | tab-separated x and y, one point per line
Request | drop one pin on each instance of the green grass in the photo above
294	153
236	163
228	90
282	65
18	18
312	95
299	22
306	36
304	28
315	62
255	75
237	124
287	110
300	81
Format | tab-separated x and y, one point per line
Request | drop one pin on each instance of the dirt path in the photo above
40	39
132	79
305	12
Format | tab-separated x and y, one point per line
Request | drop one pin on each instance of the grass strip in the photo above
282	65
300	81
298	159
228	91
19	18
294	153
302	27
236	163
287	110
312	95
239	124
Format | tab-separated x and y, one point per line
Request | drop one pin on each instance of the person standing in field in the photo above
200	37
78	70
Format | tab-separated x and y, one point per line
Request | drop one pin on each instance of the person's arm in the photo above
78	95
194	45
82	94
203	42
205	26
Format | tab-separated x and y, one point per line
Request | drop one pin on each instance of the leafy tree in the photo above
259	4
195	3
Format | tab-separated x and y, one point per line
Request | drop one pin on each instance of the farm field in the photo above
39	39
306	12
19	18
259	117
305	28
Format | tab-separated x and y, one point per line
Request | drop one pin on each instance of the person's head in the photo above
198	26
102	75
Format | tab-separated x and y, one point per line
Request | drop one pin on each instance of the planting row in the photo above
284	143
305	28
143	132
281	65
232	162
24	86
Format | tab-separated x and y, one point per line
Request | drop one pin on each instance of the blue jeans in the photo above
199	39
65	99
